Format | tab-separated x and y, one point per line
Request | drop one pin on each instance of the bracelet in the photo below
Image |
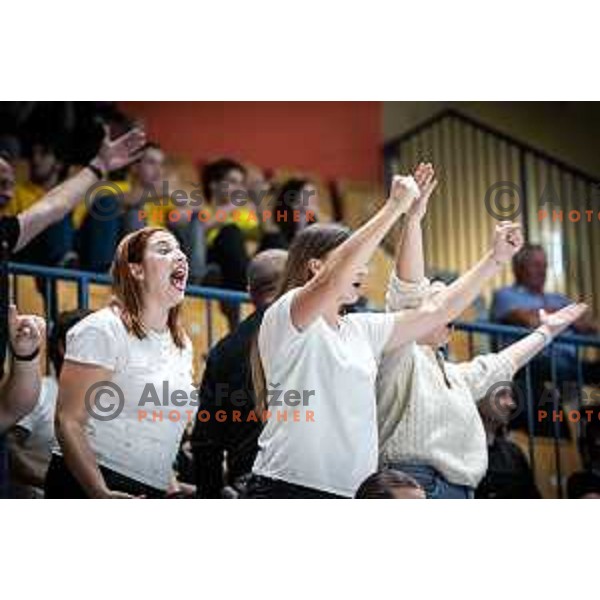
96	171
28	357
547	338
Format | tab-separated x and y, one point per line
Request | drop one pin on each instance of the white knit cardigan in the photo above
423	421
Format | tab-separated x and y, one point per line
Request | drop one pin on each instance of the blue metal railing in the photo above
500	335
51	275
496	334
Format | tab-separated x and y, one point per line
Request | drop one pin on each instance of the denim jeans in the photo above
436	486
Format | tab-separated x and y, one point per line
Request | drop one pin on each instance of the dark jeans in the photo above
60	483
265	488
436	486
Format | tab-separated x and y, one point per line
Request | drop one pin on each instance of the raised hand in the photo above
26	332
555	323
403	193
508	240
424	176
115	154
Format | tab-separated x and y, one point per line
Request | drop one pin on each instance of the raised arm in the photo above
409	260
448	305
551	325
22	389
61	200
321	295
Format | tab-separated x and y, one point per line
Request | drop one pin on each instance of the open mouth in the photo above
179	278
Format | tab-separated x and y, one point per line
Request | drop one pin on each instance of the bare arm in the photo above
20	393
323	292
521	352
448	305
25	466
62	199
70	421
409	260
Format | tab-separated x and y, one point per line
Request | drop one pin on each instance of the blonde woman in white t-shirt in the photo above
319	367
122	443
429	426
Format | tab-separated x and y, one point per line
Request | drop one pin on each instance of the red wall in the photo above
333	139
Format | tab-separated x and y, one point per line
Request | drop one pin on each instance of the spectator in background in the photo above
146	190
30	441
586	484
116	209
224	451
296	206
508	473
47	169
260	196
390	485
519	304
18	231
224	185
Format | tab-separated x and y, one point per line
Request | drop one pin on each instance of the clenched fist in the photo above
508	240
26	332
404	192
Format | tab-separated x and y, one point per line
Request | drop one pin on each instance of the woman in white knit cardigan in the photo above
429	426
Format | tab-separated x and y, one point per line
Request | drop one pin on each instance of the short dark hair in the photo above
215	172
65	321
381	485
523	255
288	195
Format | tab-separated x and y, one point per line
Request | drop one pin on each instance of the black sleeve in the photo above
525	476
10	229
207	438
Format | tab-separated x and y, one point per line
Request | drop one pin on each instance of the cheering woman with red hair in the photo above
119	351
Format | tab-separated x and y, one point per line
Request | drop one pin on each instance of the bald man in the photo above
227	386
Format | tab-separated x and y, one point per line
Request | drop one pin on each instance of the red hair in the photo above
127	290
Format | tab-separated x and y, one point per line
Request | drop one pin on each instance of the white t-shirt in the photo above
338	450
141	449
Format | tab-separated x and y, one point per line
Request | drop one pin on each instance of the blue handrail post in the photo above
83	293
